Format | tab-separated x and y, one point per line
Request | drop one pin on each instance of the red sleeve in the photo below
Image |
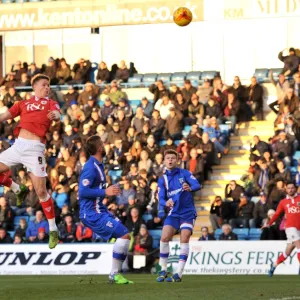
88	233
15	110
78	232
279	211
54	105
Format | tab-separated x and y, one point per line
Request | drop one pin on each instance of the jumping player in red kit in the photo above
291	207
36	115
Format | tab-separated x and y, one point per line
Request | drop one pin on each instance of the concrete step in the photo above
232	161
230	167
213	191
251	131
248	138
256	124
237	153
205	199
226	176
218	183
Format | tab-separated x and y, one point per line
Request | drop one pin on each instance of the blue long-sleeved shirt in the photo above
33	228
170	187
92	187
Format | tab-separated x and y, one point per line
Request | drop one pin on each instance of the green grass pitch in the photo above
145	287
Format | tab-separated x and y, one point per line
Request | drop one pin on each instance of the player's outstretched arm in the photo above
192	181
5	116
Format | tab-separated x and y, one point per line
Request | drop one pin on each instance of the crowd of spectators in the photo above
252	202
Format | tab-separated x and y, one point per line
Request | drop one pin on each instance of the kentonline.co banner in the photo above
206	258
92	13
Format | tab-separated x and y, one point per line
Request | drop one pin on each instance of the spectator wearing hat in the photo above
103	74
5	238
51	70
158	90
291	101
33	226
234	191
63	73
204	91
122	73
283	149
181	105
81	71
33	70
291	62
42	237
157	125
243	214
260	212
83	233
254	99
195	111
107	109
67	230
146	106
173	126
88	93
188	90
125	107
71	95
115	134
205	235
227	234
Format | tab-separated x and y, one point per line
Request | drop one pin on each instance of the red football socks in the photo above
48	208
5	178
282	258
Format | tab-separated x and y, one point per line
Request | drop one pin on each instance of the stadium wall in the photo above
234	37
206	258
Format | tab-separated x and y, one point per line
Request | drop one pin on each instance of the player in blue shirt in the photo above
175	189
93	214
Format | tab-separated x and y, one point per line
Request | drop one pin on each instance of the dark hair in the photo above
92	144
39	77
291	182
171	151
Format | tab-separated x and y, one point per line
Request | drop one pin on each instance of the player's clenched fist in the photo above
113	190
186	187
53	115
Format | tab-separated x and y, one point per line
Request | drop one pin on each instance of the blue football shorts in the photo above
179	223
105	225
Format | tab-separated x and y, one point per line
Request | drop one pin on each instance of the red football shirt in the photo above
33	115
291	207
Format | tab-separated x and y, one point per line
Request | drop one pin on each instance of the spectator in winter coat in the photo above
82	71
259	146
291	62
234	191
107	109
116	134
5	238
296	84
244	214
195	110
213	109
156	125
70	96
181	105
139	120
260	212
51	71
290	100
196	165
204	91
103	73
88	93
283	149
126	192
188	91
67	230
173	127
33	70
18	70
206	236
33	226
147	107
158	90
63	73
6	215
254	98
227	234
125	107
134	222
122	72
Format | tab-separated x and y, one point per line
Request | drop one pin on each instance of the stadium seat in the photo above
242	233
218	232
193	75
149	79
177	142
136	75
7	1
276	72
115	174
133	103
254	234
1	190
100	103
17	220
224	129
165	77
294	170
11	233
134	81
209	74
261	75
296	158
147	217
156	234
178	76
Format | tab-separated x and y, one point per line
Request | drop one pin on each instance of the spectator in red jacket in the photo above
83	234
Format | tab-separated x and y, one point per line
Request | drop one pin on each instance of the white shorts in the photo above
292	234
29	153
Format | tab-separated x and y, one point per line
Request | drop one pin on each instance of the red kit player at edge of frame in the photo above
291	207
36	115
